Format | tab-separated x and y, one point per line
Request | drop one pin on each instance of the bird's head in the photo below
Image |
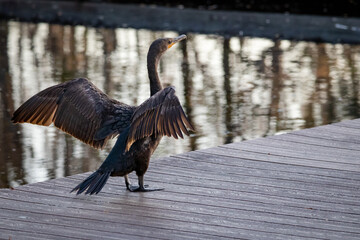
159	46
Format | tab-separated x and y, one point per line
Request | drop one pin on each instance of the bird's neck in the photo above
152	65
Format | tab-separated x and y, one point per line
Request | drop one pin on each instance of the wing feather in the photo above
161	114
177	127
171	128
79	108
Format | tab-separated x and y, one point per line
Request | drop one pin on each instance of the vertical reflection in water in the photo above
239	94
68	155
109	39
188	91
69	61
353	108
307	109
323	85
83	53
277	85
229	135
263	114
54	46
11	162
139	55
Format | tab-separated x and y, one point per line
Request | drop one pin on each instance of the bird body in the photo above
79	108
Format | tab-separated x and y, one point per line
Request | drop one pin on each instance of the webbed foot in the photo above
143	189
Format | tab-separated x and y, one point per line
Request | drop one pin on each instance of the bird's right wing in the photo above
161	114
79	108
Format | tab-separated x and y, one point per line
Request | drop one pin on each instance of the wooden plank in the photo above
339	130
271	207
302	187
301	150
22	235
246	167
233	190
315	153
310	141
255	162
230	195
314	141
257	153
296	222
331	135
103	227
209	171
112	229
232	199
139	220
352	124
324	138
131	218
193	204
48	229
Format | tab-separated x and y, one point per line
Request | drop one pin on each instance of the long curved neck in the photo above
152	65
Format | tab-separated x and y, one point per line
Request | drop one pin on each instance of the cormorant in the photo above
79	108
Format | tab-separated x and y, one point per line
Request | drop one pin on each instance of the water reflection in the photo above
232	88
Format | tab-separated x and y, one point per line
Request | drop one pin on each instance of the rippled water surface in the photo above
233	89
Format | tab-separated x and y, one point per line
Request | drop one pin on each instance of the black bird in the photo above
79	108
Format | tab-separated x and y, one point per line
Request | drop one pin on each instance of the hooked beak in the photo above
176	40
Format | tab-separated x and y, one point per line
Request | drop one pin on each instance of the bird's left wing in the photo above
161	114
78	108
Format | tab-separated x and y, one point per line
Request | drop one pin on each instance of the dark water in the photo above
233	89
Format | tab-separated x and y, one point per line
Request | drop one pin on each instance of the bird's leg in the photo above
141	187
130	187
127	183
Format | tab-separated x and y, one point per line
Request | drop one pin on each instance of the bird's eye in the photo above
169	41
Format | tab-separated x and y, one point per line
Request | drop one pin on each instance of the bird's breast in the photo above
146	146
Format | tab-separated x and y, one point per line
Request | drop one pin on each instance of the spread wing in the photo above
79	108
161	114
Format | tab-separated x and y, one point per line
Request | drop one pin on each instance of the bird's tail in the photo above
93	184
96	181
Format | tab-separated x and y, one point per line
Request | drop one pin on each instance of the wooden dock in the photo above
301	185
